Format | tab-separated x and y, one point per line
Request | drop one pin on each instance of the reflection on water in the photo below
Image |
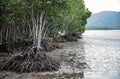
102	53
96	56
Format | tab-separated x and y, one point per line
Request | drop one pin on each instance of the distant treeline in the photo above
102	27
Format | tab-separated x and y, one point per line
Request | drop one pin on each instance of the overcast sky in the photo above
102	5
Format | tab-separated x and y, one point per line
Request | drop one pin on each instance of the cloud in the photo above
102	5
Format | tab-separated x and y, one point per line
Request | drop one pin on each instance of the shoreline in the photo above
64	55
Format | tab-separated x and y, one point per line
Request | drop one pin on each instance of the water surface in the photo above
102	53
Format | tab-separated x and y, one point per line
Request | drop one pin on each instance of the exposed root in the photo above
69	38
66	38
76	35
46	46
58	40
33	60
57	45
5	48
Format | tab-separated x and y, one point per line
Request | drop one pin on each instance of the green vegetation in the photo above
102	27
60	16
34	20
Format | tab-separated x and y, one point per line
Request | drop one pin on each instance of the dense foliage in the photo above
61	16
29	21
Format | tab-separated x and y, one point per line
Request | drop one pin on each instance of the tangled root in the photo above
77	35
33	60
69	38
57	45
47	46
5	48
58	40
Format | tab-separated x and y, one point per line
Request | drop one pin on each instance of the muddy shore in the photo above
72	64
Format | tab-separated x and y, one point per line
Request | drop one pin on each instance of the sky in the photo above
96	6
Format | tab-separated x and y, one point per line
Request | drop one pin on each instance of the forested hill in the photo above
104	20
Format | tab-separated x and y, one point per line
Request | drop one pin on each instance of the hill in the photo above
104	20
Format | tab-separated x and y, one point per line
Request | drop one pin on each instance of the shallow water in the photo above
96	56
102	53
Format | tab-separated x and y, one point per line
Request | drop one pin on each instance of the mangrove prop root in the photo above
5	48
46	46
69	38
33	60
